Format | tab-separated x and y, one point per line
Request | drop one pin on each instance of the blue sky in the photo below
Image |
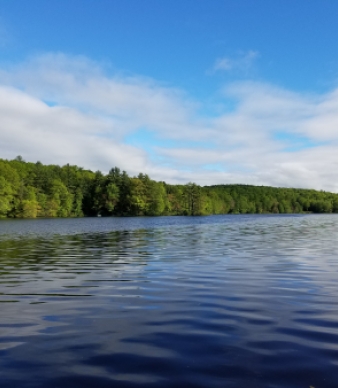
211	92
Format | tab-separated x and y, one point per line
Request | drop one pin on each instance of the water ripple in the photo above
233	301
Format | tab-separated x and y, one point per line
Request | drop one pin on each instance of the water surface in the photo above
220	301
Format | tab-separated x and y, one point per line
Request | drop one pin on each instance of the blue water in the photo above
220	301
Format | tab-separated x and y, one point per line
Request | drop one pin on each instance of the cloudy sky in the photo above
211	92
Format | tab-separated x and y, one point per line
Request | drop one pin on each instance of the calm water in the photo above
224	301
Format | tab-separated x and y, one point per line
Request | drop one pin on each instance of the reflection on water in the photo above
226	301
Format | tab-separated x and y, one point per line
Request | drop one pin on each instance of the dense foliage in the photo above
29	190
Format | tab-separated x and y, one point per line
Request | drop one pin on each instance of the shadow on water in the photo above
246	301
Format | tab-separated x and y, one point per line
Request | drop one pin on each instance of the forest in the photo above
30	190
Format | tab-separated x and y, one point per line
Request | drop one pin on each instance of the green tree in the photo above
6	197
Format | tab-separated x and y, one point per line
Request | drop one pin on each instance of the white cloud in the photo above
60	109
59	134
242	62
81	84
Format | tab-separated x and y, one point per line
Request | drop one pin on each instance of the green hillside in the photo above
29	190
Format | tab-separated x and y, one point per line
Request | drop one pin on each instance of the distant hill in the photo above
29	190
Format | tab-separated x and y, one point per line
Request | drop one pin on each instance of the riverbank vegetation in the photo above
30	190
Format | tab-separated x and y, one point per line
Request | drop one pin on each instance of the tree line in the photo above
30	190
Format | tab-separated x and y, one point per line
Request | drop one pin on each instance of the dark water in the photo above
224	301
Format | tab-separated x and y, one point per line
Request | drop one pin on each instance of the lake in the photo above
219	301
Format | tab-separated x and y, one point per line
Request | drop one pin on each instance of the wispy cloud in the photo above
60	109
242	62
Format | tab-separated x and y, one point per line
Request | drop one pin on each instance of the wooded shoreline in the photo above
30	190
